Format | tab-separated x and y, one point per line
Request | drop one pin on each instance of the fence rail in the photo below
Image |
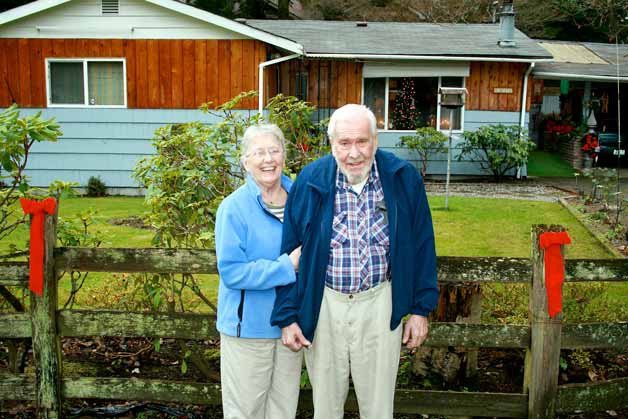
542	338
451	269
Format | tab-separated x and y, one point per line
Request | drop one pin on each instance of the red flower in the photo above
590	145
303	146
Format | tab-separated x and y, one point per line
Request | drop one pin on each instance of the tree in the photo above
404	113
223	8
574	20
426	141
498	148
283	9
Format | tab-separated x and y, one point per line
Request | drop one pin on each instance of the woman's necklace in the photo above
278	199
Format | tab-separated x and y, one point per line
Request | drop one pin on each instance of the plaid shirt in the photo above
359	249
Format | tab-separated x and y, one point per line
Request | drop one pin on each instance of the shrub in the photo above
96	187
426	141
498	148
17	136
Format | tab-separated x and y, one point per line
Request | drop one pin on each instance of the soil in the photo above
132	221
603	219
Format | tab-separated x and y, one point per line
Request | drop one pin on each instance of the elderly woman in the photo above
260	376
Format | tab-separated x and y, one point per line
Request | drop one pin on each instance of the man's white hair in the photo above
255	131
346	113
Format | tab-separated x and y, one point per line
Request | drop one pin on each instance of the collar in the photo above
343	184
254	188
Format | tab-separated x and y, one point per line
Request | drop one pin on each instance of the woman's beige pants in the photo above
260	378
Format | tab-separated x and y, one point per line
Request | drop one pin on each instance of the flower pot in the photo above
587	162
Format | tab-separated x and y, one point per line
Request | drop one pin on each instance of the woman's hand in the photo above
294	258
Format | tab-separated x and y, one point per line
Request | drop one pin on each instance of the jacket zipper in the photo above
242	292
240	312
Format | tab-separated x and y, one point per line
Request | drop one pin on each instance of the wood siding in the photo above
331	84
160	74
485	77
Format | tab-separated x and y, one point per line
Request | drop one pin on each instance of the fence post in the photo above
46	343
543	356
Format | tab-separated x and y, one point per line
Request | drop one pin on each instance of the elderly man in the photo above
368	260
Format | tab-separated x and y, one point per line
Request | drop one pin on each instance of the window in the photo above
407	103
86	82
301	85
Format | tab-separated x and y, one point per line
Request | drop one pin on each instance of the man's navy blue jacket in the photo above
308	222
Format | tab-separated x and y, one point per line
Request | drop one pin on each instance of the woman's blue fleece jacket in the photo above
248	240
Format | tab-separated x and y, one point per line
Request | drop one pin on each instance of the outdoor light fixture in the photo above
451	98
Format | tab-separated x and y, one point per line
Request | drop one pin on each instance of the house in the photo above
112	71
581	86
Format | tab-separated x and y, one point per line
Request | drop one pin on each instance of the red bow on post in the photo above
38	210
554	270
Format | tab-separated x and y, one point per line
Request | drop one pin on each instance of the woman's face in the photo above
265	160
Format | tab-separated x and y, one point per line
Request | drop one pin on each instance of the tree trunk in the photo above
461	304
283	9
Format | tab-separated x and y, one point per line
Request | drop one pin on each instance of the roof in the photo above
588	61
321	38
42	5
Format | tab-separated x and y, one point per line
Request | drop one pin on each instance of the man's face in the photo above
354	148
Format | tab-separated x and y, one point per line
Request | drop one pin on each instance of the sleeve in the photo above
287	304
235	269
425	283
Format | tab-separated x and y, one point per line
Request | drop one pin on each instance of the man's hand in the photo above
415	331
294	258
292	337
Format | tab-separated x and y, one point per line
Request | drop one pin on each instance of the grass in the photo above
545	164
501	227
471	227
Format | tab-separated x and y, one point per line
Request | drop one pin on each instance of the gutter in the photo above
578	76
524	96
429	57
263	65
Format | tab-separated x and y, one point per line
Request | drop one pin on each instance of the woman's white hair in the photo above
255	131
347	113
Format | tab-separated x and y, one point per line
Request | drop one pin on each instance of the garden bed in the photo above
498	371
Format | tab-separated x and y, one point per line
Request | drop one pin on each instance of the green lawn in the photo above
545	164
501	227
471	227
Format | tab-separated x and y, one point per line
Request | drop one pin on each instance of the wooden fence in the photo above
542	339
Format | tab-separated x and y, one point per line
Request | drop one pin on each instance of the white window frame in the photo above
438	107
84	61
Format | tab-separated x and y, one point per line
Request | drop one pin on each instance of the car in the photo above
607	155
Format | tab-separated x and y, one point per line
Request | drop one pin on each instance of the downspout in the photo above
524	97
522	117
262	65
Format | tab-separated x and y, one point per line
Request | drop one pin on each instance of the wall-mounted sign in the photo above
502	90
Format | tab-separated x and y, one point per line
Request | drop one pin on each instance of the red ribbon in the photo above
554	269
37	209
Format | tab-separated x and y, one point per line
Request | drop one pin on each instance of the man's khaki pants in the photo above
260	378
353	337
